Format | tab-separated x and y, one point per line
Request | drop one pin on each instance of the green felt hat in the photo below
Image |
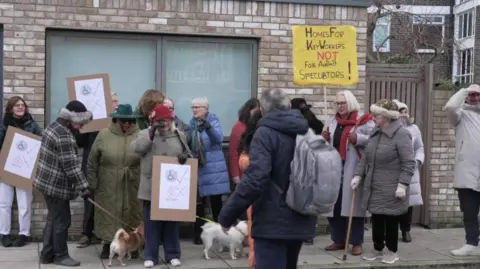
124	111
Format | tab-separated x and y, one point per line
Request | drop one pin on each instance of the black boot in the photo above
21	241
406	237
105	252
7	241
135	254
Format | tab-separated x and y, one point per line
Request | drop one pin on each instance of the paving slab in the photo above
429	249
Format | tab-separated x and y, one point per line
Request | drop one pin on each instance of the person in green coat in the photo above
114	177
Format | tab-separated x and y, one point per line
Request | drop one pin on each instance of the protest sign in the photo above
18	158
95	93
325	55
174	189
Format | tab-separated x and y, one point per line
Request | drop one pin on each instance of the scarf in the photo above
349	126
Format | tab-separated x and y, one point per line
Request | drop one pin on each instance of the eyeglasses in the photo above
197	107
19	105
340	103
127	121
171	108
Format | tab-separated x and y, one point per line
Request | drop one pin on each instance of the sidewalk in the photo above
430	249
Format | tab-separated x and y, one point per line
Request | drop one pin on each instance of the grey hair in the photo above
168	100
271	99
202	101
114	94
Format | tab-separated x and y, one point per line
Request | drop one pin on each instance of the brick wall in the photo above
444	205
25	24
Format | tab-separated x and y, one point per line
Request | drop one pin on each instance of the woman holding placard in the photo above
162	138
16	115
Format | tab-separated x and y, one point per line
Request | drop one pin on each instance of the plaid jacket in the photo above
59	168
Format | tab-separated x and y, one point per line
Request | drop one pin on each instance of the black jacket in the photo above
271	152
85	141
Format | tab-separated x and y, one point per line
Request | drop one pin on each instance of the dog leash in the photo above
211	221
110	214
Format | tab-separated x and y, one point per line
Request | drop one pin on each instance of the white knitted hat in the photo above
386	108
400	105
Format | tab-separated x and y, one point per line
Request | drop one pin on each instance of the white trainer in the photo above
389	257
175	262
466	250
148	264
373	255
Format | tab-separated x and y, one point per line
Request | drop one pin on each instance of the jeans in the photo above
215	203
385	232
278	254
169	232
339	226
470	205
406	220
55	234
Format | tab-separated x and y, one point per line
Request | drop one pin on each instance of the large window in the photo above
429	31
464	66
223	70
381	34
466	24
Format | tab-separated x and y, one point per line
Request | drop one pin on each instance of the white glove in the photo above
355	182
401	191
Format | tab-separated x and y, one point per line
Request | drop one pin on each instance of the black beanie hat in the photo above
76	112
76	106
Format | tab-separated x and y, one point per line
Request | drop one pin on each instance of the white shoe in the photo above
373	255
148	264
389	257
466	250
175	262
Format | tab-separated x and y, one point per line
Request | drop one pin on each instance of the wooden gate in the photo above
412	85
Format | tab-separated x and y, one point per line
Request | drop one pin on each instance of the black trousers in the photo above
385	232
88	218
277	254
55	235
406	220
470	205
216	206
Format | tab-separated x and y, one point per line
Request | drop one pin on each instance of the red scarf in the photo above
350	123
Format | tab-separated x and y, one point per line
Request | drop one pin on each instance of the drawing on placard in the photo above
174	186
22	155
91	93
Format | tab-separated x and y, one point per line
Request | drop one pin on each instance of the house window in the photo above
221	69
466	24
381	35
465	66
428	33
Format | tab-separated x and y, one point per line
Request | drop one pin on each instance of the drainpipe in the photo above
452	30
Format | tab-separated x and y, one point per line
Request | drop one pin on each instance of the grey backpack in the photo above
315	178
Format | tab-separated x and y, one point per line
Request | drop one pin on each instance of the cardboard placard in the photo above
90	87
18	158
174	189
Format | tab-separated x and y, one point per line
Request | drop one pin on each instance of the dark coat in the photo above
271	152
29	125
85	141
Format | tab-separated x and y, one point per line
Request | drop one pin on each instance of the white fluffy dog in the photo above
233	239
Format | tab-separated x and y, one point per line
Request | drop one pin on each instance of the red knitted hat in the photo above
162	112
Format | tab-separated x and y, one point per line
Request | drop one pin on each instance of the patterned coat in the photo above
387	161
59	169
114	176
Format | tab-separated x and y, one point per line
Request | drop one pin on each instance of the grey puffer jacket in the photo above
172	144
387	161
465	119
415	194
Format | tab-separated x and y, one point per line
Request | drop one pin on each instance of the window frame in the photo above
460	20
459	61
389	29
161	39
429	23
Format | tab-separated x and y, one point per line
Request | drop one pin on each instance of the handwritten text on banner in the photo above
325	55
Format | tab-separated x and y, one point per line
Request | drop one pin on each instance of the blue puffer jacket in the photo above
271	152
213	176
